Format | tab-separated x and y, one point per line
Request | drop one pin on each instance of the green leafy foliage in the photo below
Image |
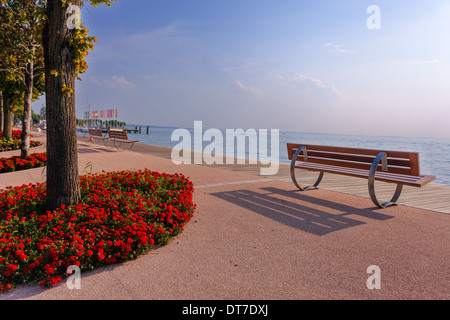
21	57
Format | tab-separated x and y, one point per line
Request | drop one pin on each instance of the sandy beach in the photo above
258	238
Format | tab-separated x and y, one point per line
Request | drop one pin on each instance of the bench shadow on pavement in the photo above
84	147
292	209
94	150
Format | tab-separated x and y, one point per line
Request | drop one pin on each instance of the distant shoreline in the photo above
431	155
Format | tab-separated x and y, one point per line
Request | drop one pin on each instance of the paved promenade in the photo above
258	238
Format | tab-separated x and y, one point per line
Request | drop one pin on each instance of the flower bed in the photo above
121	215
15	134
15	143
35	160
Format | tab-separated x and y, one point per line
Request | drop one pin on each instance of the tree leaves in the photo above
20	43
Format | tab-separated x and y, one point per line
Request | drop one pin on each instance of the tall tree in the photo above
22	53
12	94
1	110
66	44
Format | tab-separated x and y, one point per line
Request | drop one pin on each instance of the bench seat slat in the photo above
125	141
356	165
354	170
414	181
362	171
359	174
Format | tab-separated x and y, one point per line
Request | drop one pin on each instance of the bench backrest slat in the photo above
398	161
118	135
96	132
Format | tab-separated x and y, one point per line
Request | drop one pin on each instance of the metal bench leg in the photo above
117	147
106	144
294	180
373	170
105	140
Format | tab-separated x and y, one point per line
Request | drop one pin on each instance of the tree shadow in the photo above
276	204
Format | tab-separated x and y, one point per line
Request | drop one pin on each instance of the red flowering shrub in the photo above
16	163
15	143
15	134
121	215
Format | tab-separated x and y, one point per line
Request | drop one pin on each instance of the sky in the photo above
293	65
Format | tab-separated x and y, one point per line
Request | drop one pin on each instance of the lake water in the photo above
434	154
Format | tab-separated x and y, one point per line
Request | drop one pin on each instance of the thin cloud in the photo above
140	47
114	82
336	90
95	80
122	82
309	83
301	77
337	48
318	83
252	90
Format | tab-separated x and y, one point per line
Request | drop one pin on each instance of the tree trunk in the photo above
63	182
27	112
1	111
7	120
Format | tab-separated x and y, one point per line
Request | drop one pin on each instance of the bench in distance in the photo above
120	137
97	134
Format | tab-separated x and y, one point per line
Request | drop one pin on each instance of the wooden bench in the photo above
120	137
401	168
97	134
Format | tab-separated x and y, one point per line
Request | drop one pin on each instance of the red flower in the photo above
21	255
101	255
12	267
